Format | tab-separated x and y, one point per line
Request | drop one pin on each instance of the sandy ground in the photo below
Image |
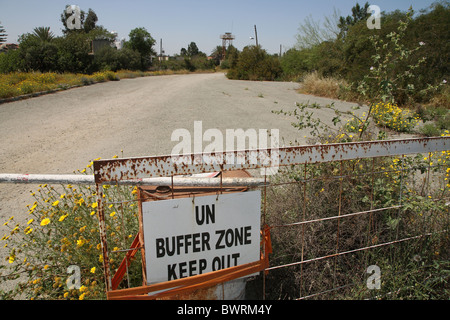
62	132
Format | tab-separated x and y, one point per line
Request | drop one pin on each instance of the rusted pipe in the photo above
166	166
165	181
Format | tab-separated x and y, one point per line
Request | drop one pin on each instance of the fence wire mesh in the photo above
331	221
333	211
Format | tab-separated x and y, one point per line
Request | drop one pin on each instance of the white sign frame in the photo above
189	236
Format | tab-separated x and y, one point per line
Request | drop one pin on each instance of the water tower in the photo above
227	38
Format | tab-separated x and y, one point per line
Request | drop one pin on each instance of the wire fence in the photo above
332	210
331	221
335	212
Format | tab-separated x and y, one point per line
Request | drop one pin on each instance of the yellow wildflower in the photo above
80	242
45	222
83	289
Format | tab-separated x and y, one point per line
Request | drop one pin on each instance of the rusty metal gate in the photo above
328	209
327	217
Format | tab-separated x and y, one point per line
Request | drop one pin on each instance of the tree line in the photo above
40	50
343	47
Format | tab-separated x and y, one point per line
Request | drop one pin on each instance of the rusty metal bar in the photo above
106	171
46	178
163	181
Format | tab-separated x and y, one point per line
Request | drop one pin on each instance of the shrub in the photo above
62	231
9	61
430	130
317	191
255	63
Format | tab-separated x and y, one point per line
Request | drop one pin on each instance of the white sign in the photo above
191	236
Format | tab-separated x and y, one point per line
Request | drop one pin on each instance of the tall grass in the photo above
329	87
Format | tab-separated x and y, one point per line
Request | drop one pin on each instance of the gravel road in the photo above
62	132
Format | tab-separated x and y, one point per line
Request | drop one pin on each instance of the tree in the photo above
217	54
3	35
37	51
312	33
295	63
91	20
358	14
73	53
43	34
142	42
192	50
255	63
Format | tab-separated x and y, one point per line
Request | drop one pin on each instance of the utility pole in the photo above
256	36
160	54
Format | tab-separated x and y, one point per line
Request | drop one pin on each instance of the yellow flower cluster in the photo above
62	231
20	83
393	117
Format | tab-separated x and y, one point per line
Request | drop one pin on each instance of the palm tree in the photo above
44	34
2	34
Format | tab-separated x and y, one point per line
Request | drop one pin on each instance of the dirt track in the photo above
61	132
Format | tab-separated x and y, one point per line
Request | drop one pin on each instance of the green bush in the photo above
62	231
9	61
255	63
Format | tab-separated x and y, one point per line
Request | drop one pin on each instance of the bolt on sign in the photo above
191	236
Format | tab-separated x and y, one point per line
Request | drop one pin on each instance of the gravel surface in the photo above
62	132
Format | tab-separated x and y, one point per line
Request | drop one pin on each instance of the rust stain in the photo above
165	166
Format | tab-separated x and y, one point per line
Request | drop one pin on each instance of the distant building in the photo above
163	58
8	46
119	44
97	44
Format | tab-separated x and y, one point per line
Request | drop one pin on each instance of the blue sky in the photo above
178	22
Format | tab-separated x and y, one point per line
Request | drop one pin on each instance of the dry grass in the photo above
330	87
324	87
